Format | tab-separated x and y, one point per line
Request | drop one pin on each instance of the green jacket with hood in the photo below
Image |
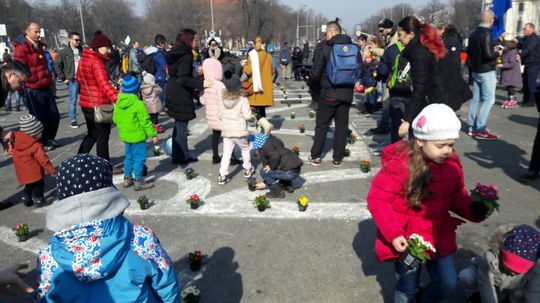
132	119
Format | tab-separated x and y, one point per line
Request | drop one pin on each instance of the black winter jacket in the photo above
65	63
274	154
530	50
181	84
453	43
482	57
318	74
433	81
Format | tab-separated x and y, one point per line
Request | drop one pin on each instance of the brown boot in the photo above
141	185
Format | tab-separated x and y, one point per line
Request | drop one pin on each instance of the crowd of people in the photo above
412	70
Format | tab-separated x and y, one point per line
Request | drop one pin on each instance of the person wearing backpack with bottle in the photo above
337	66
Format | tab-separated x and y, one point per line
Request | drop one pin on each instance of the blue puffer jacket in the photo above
107	260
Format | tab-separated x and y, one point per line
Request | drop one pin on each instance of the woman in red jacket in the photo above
419	183
95	91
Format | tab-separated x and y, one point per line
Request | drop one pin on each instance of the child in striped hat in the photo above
30	160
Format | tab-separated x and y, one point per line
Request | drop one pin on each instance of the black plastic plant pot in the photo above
351	142
409	261
347	154
189	176
194	205
22	238
144	206
195	266
192	299
365	170
302	208
302	130
261	208
252	187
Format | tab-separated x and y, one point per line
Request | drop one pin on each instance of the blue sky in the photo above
350	11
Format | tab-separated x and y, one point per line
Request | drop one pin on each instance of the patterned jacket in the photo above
108	260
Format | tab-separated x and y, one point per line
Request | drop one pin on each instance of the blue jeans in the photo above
163	86
17	99
443	277
484	86
73	91
180	151
274	176
134	161
42	105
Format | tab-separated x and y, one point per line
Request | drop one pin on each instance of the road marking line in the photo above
32	245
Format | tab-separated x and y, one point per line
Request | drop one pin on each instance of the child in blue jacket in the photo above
96	254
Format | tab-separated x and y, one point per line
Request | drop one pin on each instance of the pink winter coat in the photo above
150	95
393	217
210	98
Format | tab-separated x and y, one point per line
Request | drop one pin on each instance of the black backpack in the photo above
146	62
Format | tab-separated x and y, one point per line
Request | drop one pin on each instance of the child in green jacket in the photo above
134	126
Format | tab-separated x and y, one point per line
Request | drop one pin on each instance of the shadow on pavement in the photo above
218	279
363	244
524	120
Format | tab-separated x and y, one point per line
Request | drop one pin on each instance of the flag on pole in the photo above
499	8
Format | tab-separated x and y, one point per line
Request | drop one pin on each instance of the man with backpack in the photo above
285	62
134	64
337	66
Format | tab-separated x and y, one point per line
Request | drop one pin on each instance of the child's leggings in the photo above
228	146
443	277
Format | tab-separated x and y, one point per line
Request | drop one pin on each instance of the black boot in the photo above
27	201
145	171
39	202
287	185
276	191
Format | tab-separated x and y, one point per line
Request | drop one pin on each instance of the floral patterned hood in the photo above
92	250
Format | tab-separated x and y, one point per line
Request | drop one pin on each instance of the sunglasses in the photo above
21	81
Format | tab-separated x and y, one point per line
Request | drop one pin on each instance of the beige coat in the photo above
233	115
266	97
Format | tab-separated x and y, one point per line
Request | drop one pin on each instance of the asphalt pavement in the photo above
282	255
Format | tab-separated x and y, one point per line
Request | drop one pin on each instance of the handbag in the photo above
102	114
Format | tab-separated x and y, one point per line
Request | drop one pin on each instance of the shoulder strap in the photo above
89	93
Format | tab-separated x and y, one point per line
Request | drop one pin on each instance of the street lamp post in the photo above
82	22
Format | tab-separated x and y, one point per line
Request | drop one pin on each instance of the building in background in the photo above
522	12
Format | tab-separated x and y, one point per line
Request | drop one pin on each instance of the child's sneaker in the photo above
222	180
249	172
512	104
39	202
158	128
142	185
505	104
128	181
27	201
315	162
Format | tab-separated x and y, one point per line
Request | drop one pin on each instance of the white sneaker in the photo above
222	180
249	172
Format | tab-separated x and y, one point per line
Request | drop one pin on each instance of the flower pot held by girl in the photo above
416	252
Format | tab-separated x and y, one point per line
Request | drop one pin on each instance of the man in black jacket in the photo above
335	101
65	66
530	57
482	59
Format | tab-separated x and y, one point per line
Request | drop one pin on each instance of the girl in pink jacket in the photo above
419	183
213	70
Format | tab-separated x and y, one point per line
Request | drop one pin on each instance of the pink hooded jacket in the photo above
210	98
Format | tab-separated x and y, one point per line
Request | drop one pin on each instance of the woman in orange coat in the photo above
260	71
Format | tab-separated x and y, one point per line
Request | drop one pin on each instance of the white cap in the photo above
436	122
149	78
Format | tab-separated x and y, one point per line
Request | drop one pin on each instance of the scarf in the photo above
256	71
214	52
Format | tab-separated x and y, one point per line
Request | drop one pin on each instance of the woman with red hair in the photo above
435	79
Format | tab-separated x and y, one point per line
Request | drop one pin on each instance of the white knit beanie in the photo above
436	122
149	78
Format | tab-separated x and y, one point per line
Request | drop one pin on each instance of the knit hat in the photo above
130	85
260	139
436	122
231	81
148	78
100	40
30	125
386	23
82	173
521	248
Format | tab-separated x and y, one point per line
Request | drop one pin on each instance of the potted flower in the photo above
352	138
312	114
365	166
303	203
191	294
416	252
293	115
190	173
347	152
157	150
143	201
301	128
487	194
296	150
194	201
252	183
194	259
22	230
262	203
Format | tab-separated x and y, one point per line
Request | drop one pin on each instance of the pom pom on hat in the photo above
436	122
130	85
30	125
231	81
521	248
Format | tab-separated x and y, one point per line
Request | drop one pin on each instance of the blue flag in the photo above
499	8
